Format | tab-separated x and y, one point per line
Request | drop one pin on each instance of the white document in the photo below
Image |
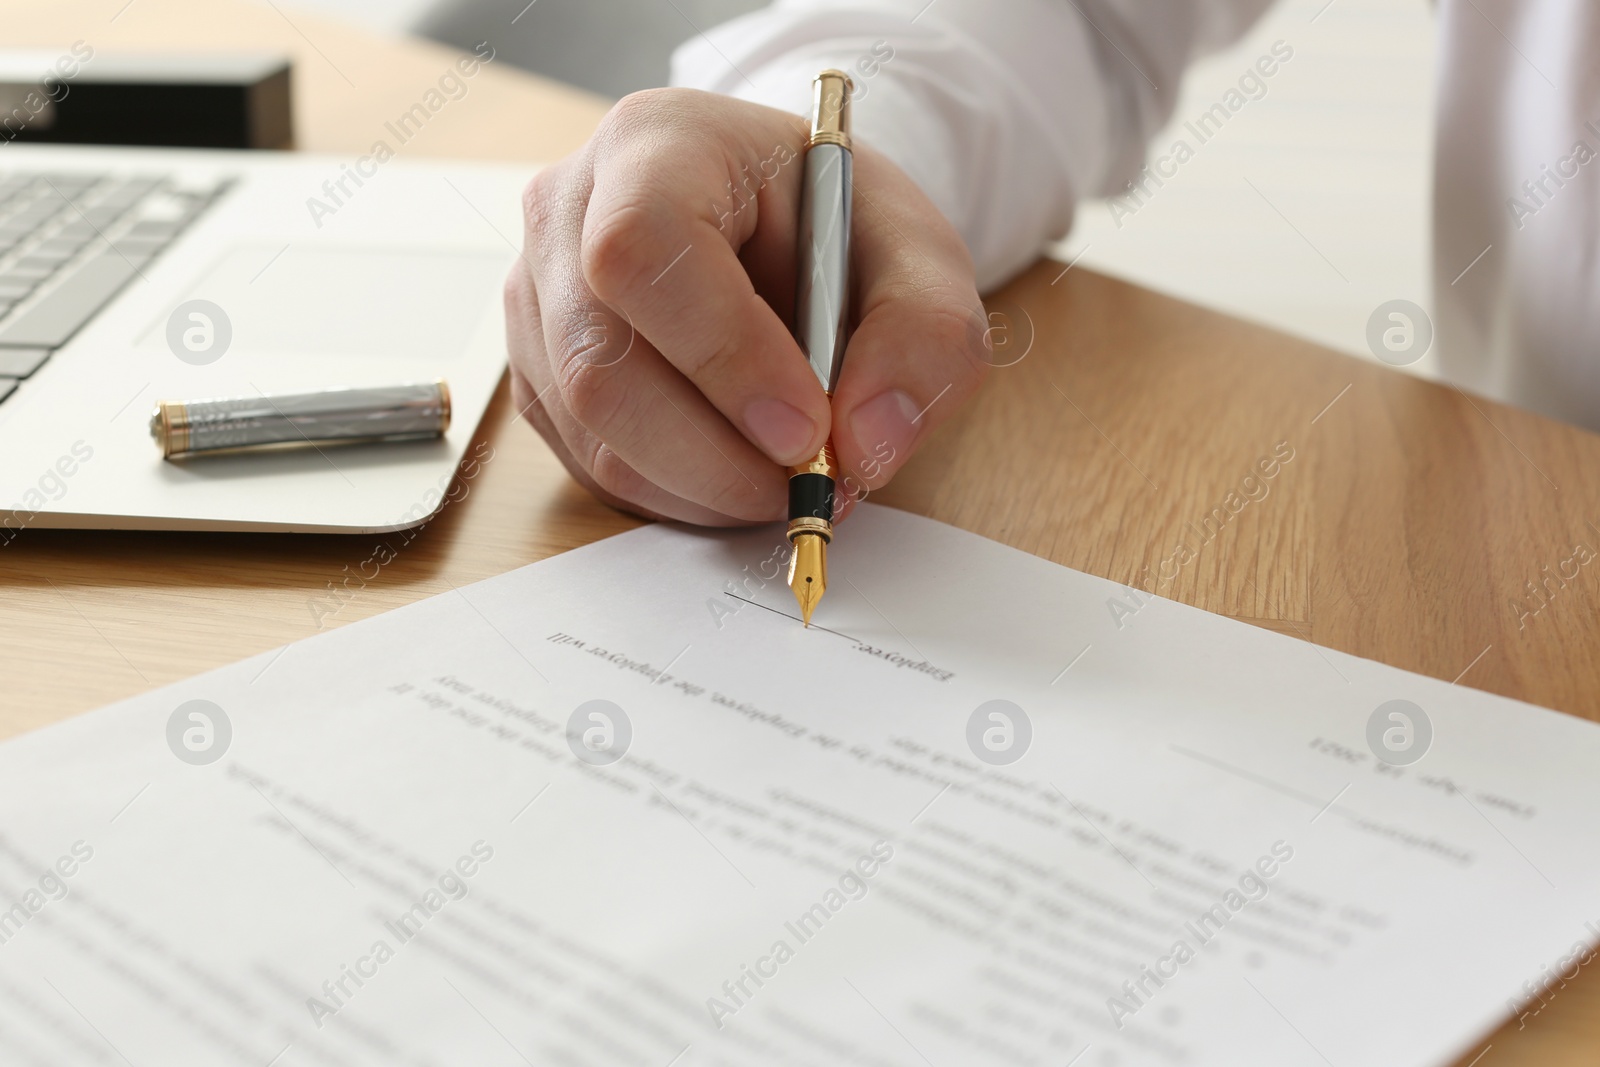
418	840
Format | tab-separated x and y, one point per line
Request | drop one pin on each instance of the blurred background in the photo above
1308	210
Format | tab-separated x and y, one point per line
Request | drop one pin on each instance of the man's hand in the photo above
648	315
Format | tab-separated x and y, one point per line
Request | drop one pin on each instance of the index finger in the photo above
658	248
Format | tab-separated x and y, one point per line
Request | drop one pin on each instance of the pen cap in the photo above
224	424
830	109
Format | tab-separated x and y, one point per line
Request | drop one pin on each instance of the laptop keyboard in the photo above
69	243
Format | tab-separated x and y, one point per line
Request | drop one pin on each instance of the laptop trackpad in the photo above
421	303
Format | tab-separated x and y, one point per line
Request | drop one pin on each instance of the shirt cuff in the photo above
960	101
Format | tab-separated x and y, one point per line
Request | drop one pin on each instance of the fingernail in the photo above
783	431
884	426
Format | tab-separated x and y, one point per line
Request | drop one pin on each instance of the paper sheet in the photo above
417	840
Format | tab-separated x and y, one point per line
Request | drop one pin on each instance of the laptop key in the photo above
101	215
58	246
21	362
28	221
7	387
133	190
77	194
30	274
64	309
156	230
139	246
136	259
70	177
12	291
38	259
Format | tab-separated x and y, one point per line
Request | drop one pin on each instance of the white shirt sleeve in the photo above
1005	112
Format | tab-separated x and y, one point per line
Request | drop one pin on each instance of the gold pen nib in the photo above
808	572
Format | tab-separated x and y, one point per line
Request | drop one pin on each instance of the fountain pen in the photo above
820	315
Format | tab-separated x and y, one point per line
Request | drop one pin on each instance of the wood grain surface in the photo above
1405	524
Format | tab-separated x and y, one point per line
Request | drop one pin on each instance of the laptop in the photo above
287	273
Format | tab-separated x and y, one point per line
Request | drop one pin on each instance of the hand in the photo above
648	314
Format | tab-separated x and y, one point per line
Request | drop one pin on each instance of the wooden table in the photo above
1403	529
